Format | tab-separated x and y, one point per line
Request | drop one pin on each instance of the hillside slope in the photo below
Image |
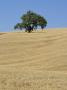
33	61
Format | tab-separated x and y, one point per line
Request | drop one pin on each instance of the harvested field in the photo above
33	61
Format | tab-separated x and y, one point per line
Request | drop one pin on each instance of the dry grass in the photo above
33	61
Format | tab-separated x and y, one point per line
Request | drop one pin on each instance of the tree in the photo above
18	26
30	21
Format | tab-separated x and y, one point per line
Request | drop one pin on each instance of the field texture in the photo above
33	61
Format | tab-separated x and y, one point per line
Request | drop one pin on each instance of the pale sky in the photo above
55	11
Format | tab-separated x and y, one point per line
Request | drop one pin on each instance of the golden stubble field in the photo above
33	61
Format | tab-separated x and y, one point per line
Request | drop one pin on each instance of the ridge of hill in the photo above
33	61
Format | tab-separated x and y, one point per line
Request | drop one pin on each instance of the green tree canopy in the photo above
31	20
